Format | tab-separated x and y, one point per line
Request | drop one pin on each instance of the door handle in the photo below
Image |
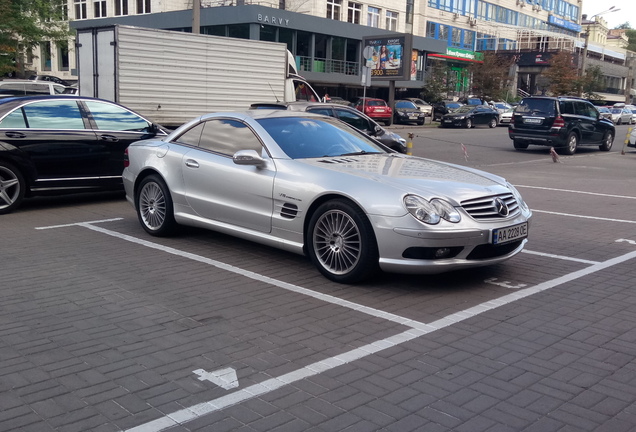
15	134
192	163
110	138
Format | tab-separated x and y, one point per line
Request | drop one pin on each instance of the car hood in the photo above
426	177
458	114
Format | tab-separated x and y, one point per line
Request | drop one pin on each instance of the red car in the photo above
377	109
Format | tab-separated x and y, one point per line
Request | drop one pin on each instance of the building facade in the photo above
325	35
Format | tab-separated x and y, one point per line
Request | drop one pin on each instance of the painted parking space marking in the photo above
560	257
416	329
632	242
504	284
584	217
576	192
225	378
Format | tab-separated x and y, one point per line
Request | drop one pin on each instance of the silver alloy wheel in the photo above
10	187
337	242
469	123
152	205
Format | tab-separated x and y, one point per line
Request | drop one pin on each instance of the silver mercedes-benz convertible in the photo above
314	185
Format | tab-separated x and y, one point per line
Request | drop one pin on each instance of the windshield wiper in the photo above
359	153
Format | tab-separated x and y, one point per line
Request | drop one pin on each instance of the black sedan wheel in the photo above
468	124
12	187
341	243
154	206
608	141
492	123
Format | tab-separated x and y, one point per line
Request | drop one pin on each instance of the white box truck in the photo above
172	77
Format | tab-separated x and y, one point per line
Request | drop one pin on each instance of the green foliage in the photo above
437	85
26	23
490	78
562	75
592	82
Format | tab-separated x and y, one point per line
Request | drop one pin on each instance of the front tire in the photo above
154	206
571	144
468	124
12	187
341	243
608	141
493	123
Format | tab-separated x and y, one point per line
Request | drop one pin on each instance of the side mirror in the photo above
248	157
378	131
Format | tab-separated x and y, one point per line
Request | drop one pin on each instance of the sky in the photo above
627	12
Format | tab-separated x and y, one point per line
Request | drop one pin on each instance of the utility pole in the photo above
196	16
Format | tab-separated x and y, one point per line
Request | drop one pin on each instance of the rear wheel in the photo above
388	122
468	124
572	142
608	141
492	123
154	206
12	187
519	145
341	243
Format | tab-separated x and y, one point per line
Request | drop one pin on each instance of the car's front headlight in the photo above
431	212
460	117
517	195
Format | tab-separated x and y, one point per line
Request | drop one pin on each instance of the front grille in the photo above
486	251
485	207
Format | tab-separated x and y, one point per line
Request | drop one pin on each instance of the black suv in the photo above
561	122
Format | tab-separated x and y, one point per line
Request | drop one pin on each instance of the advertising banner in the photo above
390	57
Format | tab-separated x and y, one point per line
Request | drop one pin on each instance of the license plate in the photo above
413	118
509	234
448	121
533	120
379	110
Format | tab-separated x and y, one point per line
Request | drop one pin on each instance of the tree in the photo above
592	82
26	23
490	78
436	88
562	74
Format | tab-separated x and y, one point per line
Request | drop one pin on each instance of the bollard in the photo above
629	132
409	145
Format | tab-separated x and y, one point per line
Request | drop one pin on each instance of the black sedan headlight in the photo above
431	212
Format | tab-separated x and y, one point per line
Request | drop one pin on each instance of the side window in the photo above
228	136
567	107
115	118
37	89
323	111
53	115
58	89
14	120
353	119
192	136
581	109
12	89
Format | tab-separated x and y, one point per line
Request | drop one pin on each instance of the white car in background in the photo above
621	115
505	117
424	106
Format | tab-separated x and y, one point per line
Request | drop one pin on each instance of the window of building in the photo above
354	12
391	20
45	56
373	17
286	36
241	31
333	9
268	33
62	56
99	9
143	6
456	37
121	7
80	9
217	30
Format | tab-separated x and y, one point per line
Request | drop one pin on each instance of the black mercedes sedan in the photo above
469	116
64	144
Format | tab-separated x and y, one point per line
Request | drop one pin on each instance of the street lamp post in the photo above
586	37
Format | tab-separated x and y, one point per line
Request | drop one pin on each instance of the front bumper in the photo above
406	246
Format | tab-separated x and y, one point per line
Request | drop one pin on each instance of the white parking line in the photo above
575	191
585	217
416	329
561	257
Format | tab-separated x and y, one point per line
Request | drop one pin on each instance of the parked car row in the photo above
288	178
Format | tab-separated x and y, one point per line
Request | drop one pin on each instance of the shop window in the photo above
303	43
286	36
241	31
45	56
62	56
268	33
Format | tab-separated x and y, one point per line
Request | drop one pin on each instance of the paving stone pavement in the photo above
101	334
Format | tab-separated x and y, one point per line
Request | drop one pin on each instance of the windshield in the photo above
465	108
617	111
536	106
302	137
407	105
